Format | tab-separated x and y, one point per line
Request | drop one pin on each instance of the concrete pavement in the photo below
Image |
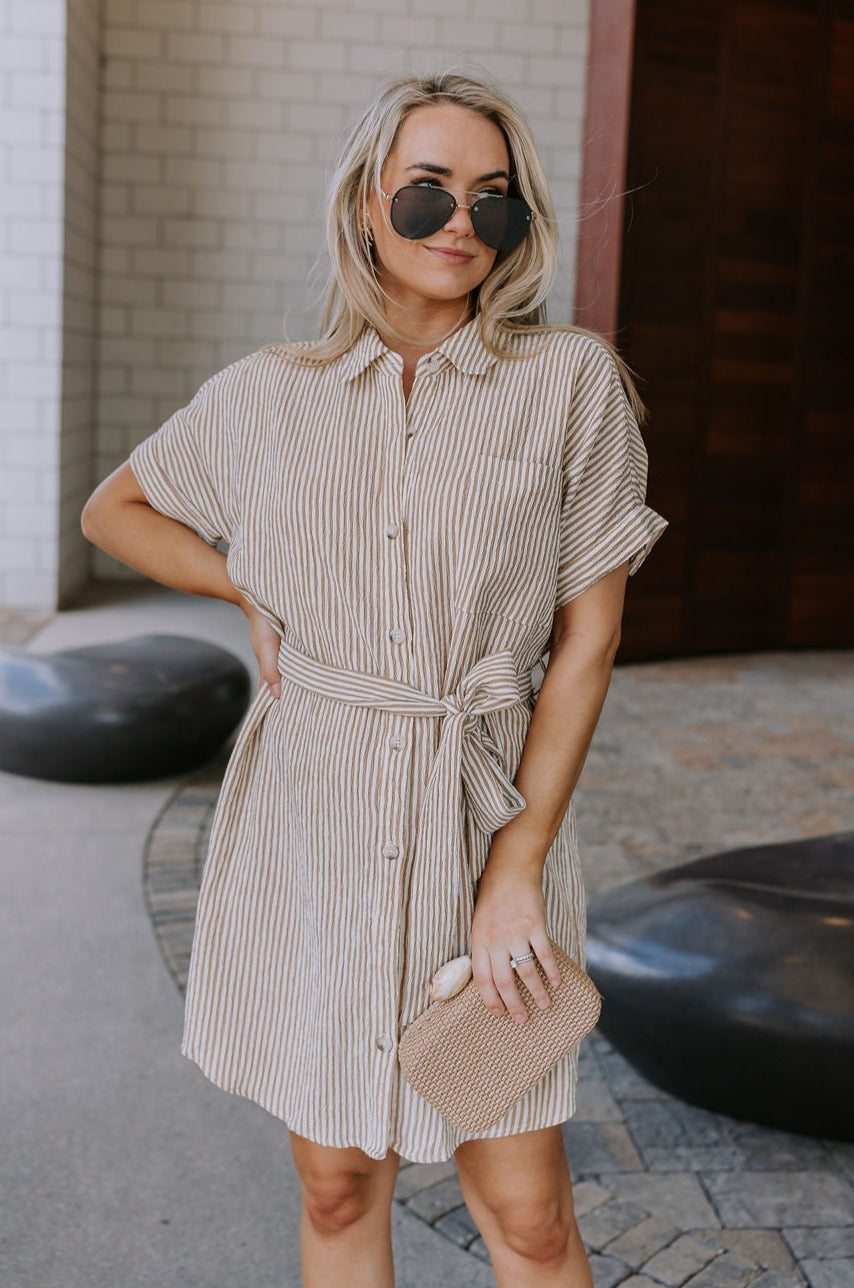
120	1165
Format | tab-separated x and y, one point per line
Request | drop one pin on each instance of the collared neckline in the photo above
464	349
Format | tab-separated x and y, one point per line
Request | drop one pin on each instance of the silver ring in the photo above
517	961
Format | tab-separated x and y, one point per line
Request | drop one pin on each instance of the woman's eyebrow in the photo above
443	170
430	168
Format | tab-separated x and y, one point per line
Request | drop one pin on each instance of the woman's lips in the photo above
448	256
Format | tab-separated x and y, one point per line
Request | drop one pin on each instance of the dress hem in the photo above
422	1156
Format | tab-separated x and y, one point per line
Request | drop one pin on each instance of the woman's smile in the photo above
449	255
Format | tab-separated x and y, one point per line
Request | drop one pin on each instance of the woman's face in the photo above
454	148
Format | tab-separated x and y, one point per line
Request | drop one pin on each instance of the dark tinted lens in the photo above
420	212
501	222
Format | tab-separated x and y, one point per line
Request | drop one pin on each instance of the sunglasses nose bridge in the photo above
457	207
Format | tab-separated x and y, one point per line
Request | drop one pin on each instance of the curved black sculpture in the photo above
143	708
729	981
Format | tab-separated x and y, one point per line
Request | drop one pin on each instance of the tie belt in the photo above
467	761
467	770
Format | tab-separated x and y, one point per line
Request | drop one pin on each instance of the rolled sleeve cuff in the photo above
631	540
165	496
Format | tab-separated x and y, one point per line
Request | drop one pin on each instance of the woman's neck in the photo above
425	328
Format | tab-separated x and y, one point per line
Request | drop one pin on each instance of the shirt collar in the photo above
464	349
367	348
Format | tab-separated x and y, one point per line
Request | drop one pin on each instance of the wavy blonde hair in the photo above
511	299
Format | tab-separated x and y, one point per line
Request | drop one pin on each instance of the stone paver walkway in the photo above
690	757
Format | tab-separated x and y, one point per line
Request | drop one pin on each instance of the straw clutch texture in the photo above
472	1065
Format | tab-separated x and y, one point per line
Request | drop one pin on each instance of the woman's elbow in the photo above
604	648
87	520
589	647
94	516
613	643
118	489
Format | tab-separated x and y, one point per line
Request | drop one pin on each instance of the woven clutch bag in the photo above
472	1065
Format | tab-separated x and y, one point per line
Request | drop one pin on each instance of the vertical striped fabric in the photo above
412	555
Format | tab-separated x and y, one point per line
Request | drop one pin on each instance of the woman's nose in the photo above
460	220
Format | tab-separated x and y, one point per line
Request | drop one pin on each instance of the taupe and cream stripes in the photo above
412	554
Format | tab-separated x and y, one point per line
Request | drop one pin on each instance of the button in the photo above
384	1042
409	431
392	530
397	636
390	851
398	742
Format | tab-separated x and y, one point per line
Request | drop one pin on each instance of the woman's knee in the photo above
333	1201
538	1231
341	1186
519	1190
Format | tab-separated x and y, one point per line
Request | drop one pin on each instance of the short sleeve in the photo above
604	521
186	467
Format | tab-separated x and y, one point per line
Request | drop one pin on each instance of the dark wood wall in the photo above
736	303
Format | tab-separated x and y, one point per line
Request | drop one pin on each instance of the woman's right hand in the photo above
265	641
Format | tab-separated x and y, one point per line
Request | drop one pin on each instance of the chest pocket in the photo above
508	550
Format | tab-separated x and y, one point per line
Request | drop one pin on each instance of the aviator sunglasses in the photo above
500	222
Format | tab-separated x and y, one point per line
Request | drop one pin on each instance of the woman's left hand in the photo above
509	921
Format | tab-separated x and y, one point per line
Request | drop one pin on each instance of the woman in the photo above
417	506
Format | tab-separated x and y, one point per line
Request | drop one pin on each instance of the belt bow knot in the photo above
467	767
467	754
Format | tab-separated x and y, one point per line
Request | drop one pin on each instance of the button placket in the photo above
393	839
393	573
423	397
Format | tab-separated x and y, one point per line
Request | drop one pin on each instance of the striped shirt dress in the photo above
411	553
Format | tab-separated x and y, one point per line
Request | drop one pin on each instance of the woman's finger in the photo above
481	969
505	981
541	945
266	641
269	664
532	979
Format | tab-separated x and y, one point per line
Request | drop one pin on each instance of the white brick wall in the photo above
32	103
77	438
218	124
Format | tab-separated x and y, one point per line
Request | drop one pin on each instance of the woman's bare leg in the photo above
345	1231
519	1193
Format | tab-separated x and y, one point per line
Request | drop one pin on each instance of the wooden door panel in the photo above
735	307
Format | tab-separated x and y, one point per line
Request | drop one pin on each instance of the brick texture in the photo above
32	88
197	142
79	334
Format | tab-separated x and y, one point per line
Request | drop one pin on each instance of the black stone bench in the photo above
729	981
143	708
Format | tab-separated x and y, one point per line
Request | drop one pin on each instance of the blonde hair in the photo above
512	298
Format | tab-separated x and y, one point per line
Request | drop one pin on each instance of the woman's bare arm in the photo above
584	642
509	910
118	519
